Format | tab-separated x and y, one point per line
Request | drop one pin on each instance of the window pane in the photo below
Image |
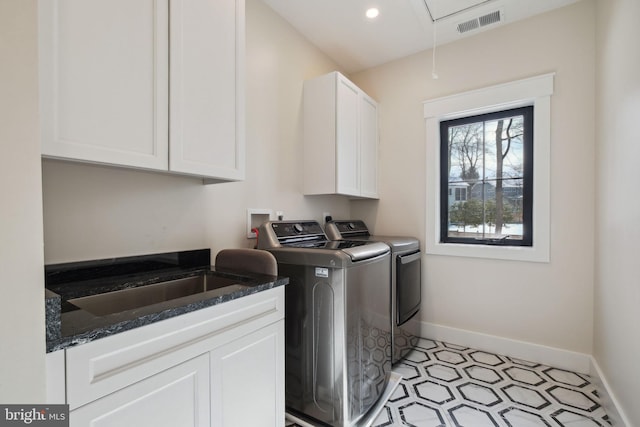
503	148
465	152
485	178
503	211
466	219
477	219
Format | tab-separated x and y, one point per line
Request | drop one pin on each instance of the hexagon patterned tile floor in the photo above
451	386
446	385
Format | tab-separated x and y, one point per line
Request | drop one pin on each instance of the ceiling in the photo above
340	29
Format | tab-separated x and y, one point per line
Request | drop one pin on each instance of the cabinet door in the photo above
368	147
347	146
104	81
207	88
178	396
247	380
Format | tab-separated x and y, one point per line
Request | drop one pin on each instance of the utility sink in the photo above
143	296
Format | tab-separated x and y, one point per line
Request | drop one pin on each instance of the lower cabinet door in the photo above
247	380
178	396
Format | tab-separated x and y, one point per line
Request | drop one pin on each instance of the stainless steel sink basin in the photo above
143	296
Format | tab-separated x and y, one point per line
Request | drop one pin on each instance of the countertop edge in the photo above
55	340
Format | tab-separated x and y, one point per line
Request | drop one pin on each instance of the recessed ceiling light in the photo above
372	13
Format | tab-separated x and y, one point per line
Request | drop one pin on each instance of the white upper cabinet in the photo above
207	88
368	147
340	138
104	81
346	138
148	84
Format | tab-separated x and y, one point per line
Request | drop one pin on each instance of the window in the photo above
533	92
488	161
461	194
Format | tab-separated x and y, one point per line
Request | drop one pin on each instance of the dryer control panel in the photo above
346	228
290	229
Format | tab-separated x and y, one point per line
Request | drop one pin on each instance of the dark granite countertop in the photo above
68	325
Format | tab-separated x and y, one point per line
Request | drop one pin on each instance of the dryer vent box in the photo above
255	218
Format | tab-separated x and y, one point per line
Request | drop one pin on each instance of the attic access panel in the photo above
440	9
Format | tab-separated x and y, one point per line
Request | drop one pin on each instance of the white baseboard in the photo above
558	358
607	399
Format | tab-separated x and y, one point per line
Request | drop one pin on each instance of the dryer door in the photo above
408	292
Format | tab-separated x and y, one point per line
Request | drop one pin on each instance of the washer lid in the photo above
307	238
358	250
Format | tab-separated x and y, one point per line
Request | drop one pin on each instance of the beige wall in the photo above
21	284
549	304
617	290
93	212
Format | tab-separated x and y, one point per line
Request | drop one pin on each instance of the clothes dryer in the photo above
405	284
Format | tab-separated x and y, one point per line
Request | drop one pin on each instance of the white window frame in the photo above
534	91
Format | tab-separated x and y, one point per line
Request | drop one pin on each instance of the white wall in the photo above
22	345
93	212
549	304
617	287
278	62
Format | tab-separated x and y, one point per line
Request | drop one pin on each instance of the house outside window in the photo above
488	161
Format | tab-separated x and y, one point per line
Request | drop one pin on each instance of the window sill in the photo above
511	253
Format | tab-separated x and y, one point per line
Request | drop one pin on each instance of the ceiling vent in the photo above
481	21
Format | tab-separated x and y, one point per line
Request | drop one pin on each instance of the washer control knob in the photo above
351	226
298	228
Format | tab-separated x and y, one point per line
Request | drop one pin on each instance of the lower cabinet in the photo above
222	366
178	396
247	387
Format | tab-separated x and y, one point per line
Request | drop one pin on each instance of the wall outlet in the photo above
325	215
